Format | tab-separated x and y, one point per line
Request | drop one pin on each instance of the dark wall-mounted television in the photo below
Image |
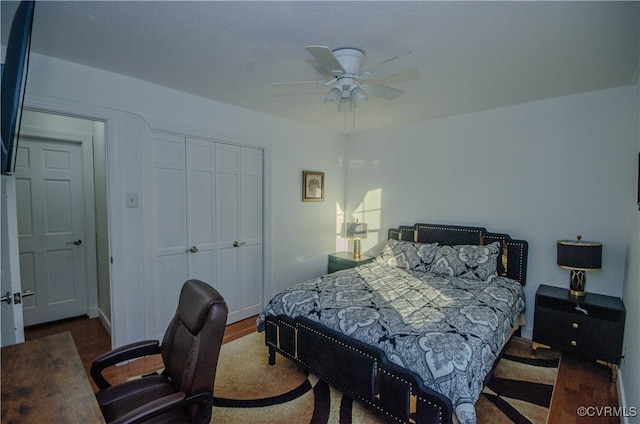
14	78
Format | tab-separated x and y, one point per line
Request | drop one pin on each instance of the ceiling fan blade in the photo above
292	83
392	66
382	91
324	56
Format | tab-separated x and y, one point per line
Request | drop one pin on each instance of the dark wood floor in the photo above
580	383
92	339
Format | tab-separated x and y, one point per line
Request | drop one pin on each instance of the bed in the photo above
413	334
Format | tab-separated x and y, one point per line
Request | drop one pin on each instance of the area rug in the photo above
249	390
521	388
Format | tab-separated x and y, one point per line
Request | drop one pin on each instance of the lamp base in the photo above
356	249
577	283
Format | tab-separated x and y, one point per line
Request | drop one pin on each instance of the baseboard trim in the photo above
105	321
626	411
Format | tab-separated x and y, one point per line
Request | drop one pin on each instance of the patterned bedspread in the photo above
448	330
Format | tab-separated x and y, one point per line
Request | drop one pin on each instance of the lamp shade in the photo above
353	230
580	255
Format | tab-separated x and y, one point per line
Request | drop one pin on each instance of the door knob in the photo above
238	243
193	249
77	242
17	297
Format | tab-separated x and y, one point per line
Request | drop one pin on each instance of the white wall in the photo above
629	382
131	108
540	171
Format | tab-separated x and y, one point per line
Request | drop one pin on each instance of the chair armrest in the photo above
162	405
121	354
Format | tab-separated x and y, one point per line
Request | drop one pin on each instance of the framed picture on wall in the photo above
312	186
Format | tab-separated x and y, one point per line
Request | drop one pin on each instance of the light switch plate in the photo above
131	200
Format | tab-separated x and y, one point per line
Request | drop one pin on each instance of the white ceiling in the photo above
473	55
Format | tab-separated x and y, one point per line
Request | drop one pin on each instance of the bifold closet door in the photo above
170	267
184	231
201	238
239	228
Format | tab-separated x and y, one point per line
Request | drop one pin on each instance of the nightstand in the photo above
591	326
344	260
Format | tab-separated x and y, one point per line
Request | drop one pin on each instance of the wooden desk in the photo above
44	381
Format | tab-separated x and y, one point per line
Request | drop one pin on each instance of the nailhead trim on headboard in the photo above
516	260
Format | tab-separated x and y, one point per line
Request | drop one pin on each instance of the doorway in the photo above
62	218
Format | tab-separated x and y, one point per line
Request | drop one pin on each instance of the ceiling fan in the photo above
351	83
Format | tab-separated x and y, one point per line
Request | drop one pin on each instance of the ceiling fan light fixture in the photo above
334	95
358	95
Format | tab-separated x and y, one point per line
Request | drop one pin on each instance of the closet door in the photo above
170	267
184	230
239	229
200	210
251	254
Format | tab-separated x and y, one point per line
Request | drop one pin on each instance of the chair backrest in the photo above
191	344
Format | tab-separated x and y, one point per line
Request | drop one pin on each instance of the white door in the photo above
200	210
239	229
11	316
184	233
50	205
170	266
207	223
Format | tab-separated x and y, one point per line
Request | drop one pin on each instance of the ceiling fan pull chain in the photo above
344	126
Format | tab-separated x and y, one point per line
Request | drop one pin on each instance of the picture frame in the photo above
312	186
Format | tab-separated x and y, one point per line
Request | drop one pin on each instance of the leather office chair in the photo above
183	392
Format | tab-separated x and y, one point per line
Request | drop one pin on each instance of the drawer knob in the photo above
573	343
575	325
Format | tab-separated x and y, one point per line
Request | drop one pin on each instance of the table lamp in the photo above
356	231
579	256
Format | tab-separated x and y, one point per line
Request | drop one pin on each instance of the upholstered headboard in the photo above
513	263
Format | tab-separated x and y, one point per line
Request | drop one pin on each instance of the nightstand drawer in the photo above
592	311
590	337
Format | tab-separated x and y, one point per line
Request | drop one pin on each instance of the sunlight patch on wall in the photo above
369	210
341	244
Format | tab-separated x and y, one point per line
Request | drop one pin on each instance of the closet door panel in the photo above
170	273
171	220
252	195
251	228
228	281
227	158
228	226
170	226
227	209
252	209
169	184
201	209
251	285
